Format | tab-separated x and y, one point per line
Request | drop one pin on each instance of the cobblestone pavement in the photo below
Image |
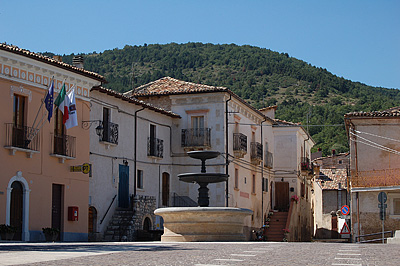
199	254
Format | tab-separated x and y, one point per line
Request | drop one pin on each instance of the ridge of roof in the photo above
134	101
268	108
172	86
16	50
286	123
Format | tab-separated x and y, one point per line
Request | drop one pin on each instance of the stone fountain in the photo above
203	223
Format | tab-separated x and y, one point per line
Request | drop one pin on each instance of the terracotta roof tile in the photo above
134	101
286	123
171	86
392	112
45	59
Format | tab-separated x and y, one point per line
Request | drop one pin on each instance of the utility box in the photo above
73	213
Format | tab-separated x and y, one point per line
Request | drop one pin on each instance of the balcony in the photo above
155	147
22	138
110	133
239	145
196	138
256	152
268	162
305	164
376	178
63	147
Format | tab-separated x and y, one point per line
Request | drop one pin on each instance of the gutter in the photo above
227	150
135	155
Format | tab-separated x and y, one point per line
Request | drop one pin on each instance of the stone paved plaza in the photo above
199	254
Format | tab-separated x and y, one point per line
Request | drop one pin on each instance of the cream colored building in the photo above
374	149
214	118
37	187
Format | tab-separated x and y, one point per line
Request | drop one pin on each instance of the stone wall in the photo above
143	206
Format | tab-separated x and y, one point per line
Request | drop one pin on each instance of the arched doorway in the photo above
165	189
147	224
92	220
16	208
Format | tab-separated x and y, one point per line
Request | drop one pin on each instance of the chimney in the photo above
77	61
57	58
333	152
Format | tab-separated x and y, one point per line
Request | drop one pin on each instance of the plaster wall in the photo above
39	170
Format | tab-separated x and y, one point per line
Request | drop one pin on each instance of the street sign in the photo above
345	229
382	205
84	168
345	210
382	197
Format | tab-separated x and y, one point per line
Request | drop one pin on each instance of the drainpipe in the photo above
262	175
227	150
135	155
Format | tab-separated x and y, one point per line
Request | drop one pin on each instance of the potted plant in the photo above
7	231
295	198
50	233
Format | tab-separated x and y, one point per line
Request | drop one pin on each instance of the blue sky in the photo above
358	39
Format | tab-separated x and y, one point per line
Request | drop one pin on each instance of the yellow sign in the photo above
86	168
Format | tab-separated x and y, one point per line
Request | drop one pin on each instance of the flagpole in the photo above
34	121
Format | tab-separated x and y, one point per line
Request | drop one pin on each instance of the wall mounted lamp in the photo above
99	129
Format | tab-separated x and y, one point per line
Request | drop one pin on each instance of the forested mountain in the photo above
260	76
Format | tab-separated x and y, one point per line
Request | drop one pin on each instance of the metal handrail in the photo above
374	234
22	137
239	142
109	207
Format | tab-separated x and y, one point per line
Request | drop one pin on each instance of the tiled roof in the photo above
171	86
48	60
392	112
328	180
268	108
286	123
134	101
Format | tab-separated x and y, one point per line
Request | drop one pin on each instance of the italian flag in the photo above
62	103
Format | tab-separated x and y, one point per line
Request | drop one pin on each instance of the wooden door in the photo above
123	187
92	220
282	196
57	208
165	189
16	209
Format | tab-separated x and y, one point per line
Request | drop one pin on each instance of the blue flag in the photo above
49	100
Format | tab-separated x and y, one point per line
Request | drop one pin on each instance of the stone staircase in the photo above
276	225
121	226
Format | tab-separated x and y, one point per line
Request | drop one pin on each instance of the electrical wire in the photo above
360	132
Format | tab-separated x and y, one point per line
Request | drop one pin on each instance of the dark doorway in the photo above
165	189
282	196
147	224
123	188
17	208
57	208
92	220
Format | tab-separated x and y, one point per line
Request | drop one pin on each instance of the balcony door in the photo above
19	106
198	130
106	124
152	140
59	134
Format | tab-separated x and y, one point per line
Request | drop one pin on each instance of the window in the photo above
253	188
19	121
139	179
106	122
152	144
236	178
198	125
265	184
59	134
303	189
396	206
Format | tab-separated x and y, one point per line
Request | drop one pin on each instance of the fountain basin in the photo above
203	177
200	224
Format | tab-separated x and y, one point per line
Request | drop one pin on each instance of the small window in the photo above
236	178
139	178
303	189
253	190
396	206
265	184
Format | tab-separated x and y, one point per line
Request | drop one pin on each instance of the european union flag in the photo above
49	100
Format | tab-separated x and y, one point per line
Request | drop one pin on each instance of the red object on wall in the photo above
73	213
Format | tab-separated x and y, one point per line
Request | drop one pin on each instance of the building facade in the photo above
37	187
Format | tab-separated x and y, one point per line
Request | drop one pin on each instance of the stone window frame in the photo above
392	196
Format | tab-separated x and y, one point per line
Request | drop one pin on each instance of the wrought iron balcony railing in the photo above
155	147
64	145
22	137
256	153
110	133
196	137
239	144
268	162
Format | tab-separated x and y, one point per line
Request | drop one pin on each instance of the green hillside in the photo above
260	76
